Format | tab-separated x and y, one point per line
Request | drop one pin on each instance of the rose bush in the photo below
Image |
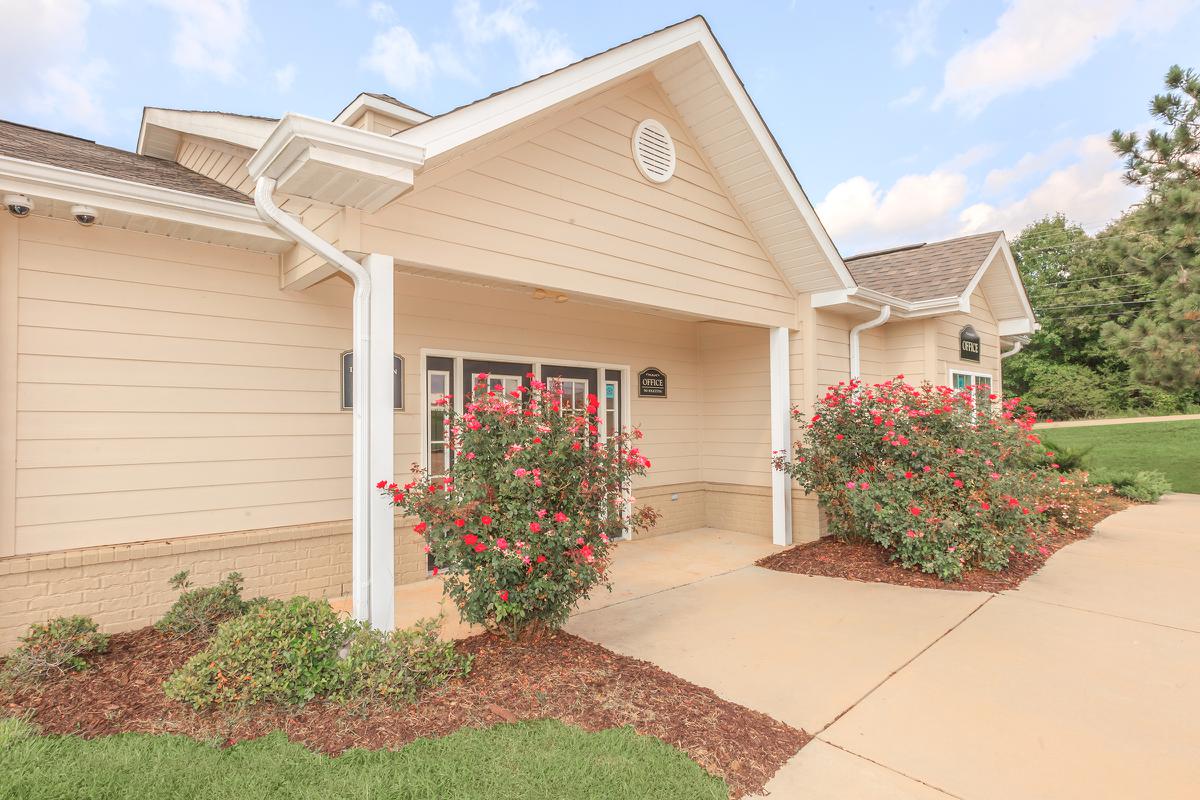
944	480
522	524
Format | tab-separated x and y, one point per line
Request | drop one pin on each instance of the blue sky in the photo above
905	121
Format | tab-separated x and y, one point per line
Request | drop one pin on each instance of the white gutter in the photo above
1016	348
360	535
885	313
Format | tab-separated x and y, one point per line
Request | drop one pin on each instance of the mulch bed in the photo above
865	561
562	677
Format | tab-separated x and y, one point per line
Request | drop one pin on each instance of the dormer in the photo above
380	113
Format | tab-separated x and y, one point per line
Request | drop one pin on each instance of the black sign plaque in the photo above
968	344
348	381
652	382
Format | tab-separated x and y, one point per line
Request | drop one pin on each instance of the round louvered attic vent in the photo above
653	151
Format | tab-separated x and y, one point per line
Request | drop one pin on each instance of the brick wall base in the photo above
125	586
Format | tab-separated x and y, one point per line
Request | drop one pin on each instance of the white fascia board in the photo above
869	298
129	197
1002	251
296	133
456	128
1015	327
365	102
248	132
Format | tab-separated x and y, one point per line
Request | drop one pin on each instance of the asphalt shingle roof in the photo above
84	155
923	271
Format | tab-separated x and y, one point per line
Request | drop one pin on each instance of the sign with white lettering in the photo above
968	344
652	382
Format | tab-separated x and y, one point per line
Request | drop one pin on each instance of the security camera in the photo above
84	215
18	205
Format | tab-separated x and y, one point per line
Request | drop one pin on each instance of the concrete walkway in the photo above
1087	423
1083	683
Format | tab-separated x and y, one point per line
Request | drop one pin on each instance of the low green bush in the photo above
1067	391
1066	459
198	612
397	667
1143	485
292	651
55	647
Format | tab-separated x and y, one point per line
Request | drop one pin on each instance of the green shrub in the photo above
55	647
292	651
283	651
1067	391
397	667
1066	459
942	480
1143	485
198	612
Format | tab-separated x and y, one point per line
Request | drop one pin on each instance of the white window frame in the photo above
535	362
427	405
952	371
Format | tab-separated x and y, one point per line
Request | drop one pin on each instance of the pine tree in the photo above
1161	240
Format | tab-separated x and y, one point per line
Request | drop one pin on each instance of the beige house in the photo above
178	325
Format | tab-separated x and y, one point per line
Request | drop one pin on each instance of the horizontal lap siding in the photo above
735	361
168	389
564	206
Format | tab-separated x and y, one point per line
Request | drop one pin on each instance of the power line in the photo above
1094	305
1090	278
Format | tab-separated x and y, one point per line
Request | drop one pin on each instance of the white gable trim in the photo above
365	102
163	128
442	134
1002	251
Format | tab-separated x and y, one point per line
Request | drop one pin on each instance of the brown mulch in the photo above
561	677
865	561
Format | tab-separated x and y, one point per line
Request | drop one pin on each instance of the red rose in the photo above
419	527
470	538
485	519
381	485
461	523
535	527
915	511
479	548
503	595
541	559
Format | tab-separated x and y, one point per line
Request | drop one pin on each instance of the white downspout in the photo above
360	535
885	314
1016	348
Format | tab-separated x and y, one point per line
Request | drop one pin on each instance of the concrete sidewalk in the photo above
1087	423
1085	682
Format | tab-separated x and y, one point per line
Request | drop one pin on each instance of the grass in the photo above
1172	448
529	760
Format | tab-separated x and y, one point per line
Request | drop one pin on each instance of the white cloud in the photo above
47	69
908	98
916	30
916	206
210	35
382	13
969	157
285	76
999	179
1089	191
538	50
396	55
1036	43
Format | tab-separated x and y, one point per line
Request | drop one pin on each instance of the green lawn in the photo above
1172	448
533	761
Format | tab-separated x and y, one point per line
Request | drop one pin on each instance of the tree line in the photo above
1120	309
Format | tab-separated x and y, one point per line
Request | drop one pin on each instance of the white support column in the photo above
381	548
781	435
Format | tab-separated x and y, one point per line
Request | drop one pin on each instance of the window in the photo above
438	455
574	393
982	384
612	407
500	384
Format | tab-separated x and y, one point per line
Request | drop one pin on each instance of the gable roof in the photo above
84	155
695	75
924	271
